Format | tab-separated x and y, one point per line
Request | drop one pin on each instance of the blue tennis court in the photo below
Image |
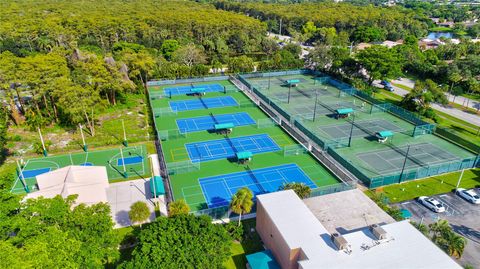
218	190
187	89
207	122
227	147
34	172
130	160
203	103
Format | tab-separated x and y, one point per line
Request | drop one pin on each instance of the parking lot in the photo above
463	216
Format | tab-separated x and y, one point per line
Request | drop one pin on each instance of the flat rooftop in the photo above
404	247
347	211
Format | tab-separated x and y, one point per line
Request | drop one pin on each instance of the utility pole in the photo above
280	30
315	106
351	131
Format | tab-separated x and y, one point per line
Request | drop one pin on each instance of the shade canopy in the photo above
262	260
222	126
293	81
242	155
156	186
384	134
197	90
343	111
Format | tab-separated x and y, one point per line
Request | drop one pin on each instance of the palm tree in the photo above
302	190
456	244
178	207
242	202
439	229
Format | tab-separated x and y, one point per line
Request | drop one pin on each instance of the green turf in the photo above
250	243
186	186
302	102
431	186
106	157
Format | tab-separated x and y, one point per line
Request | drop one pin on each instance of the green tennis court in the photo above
185	174
315	104
132	160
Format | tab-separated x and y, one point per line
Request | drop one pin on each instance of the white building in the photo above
297	239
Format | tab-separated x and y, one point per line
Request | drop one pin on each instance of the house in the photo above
297	239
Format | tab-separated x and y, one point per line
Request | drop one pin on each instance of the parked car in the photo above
388	88
385	82
469	195
432	204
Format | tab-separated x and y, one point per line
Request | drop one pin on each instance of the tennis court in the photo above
419	155
218	190
227	147
362	128
117	161
204	123
179	90
202	103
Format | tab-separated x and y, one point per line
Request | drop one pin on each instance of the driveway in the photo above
463	216
122	195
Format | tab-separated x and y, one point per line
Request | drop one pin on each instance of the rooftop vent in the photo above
378	232
339	241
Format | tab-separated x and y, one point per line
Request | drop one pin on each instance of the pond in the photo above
435	35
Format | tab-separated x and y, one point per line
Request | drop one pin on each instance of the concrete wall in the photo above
272	238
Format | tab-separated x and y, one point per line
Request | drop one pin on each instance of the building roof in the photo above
404	247
262	260
88	182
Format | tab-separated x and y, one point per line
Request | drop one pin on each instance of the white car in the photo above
469	195
432	204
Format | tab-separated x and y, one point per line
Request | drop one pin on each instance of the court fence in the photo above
421	127
165	135
224	212
449	134
266	123
161	112
292	150
184	81
182	167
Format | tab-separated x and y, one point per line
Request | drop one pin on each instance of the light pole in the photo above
289	89
351	131
404	163
315	106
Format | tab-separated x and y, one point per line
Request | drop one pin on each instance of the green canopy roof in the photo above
224	126
344	111
158	187
262	260
242	155
197	90
385	133
293	81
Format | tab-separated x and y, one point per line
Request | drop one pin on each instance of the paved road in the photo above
288	39
468	117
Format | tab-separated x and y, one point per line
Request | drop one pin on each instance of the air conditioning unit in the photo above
378	232
339	241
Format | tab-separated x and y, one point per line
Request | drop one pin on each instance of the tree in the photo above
368	34
240	64
189	55
139	212
178	207
184	241
302	190
3	133
242	202
53	233
447	239
422	95
380	62
169	46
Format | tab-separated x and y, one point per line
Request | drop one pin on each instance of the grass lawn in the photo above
108	130
441	29
250	244
430	186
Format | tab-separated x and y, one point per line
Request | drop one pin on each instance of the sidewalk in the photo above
468	117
